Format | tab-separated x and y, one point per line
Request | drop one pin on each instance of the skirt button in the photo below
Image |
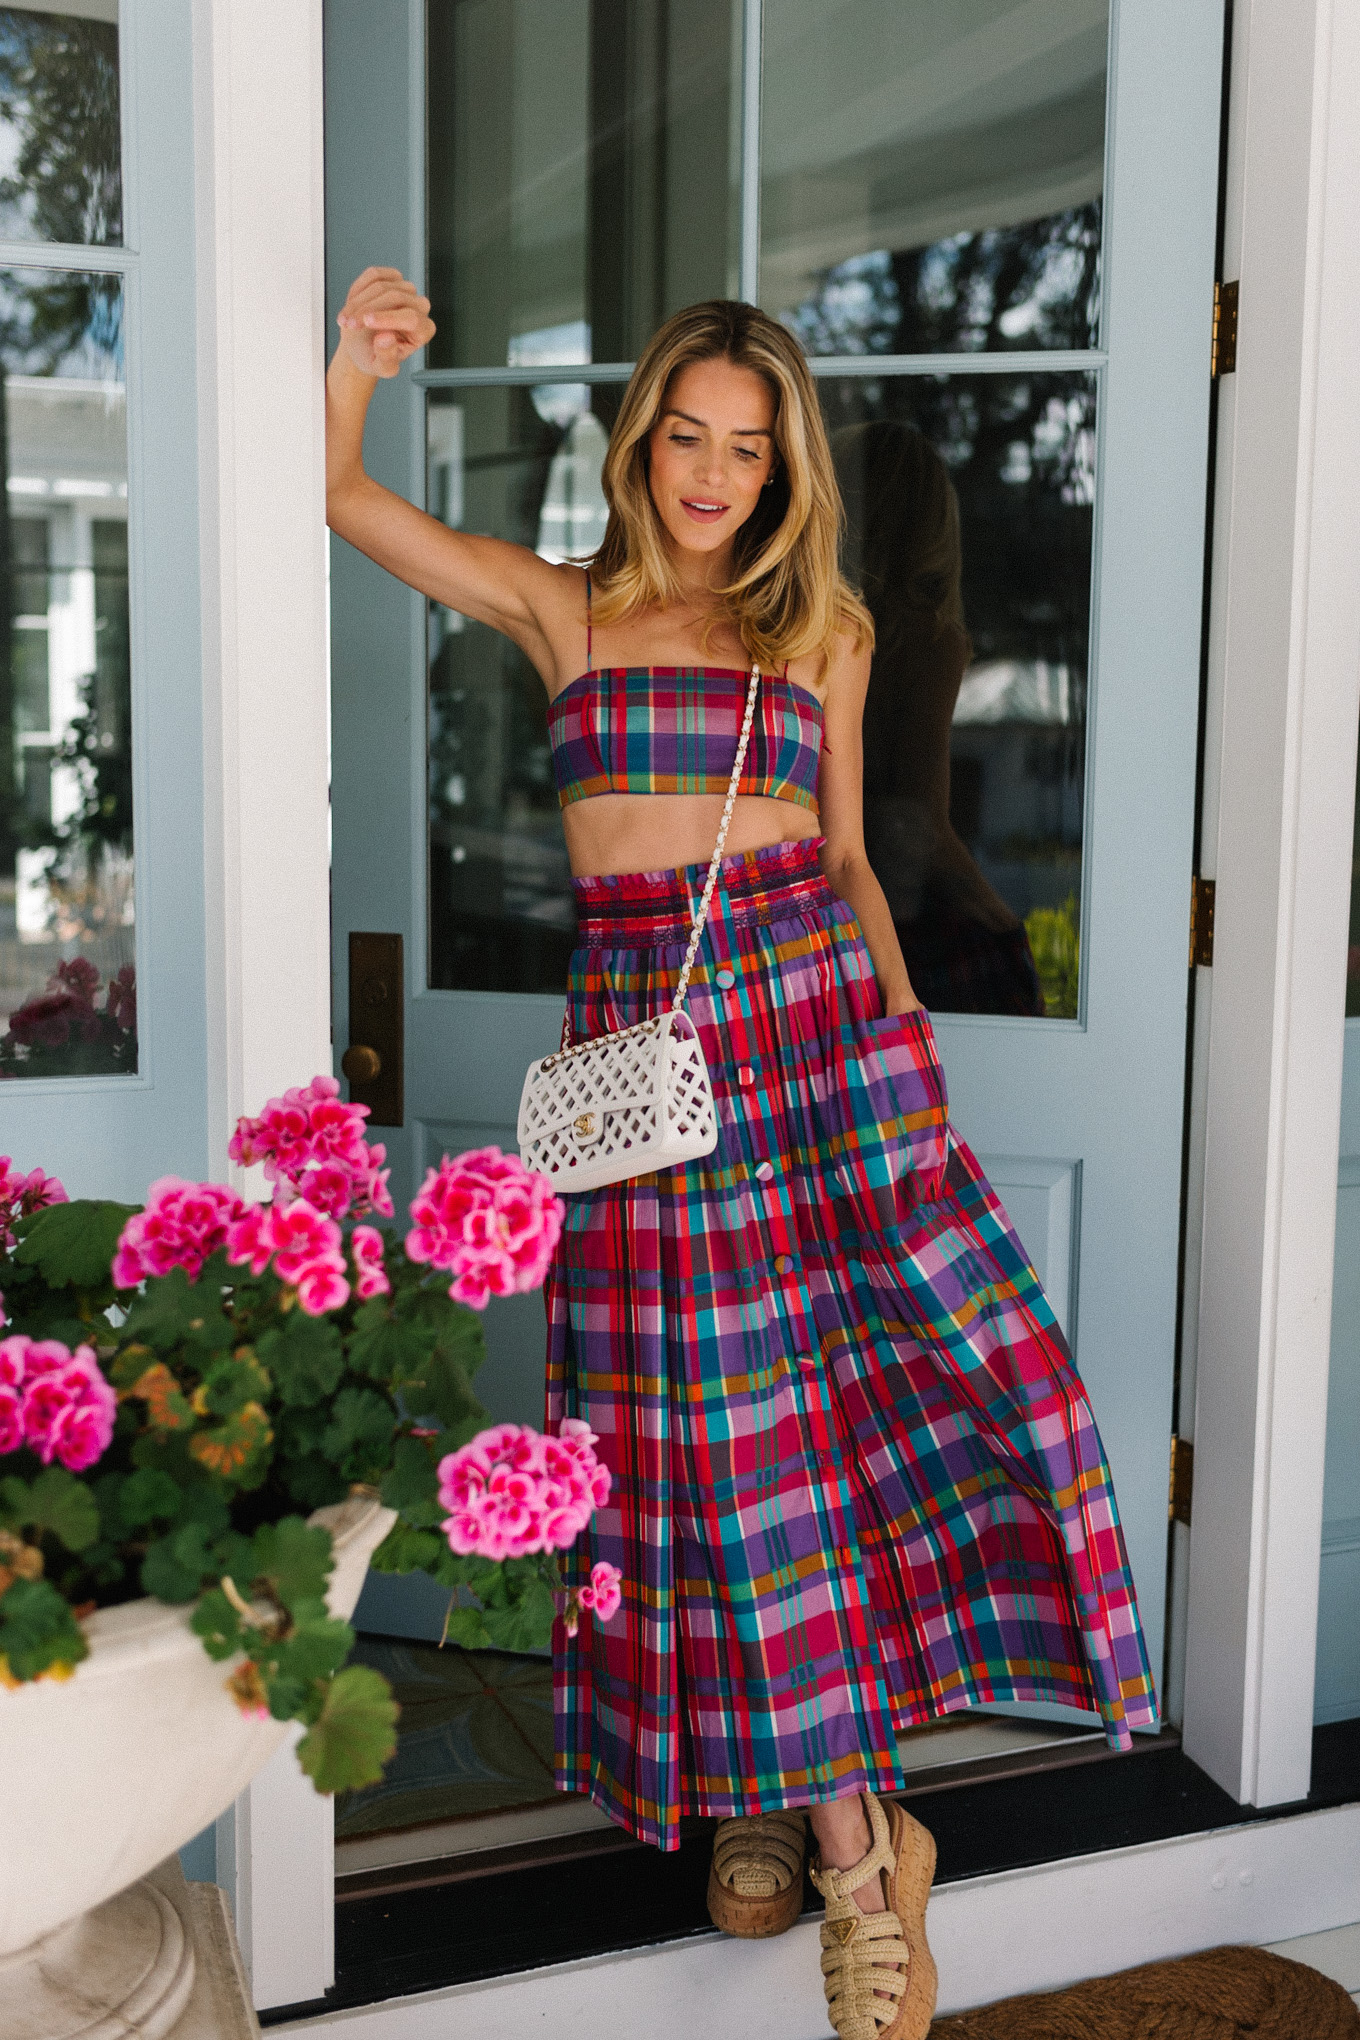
806	1362
764	1171
746	1075
726	978
783	1265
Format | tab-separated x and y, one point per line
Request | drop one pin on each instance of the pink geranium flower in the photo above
56	1402
488	1221
304	1246
603	1593
182	1225
366	1251
20	1195
312	1145
509	1492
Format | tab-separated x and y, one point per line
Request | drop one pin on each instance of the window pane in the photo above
522	464
67	987
60	154
969	503
932	173
582	159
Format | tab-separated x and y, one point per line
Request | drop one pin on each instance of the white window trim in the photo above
1284	699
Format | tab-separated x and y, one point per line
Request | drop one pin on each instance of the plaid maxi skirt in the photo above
857	1483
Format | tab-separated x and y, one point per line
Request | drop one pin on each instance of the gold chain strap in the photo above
569	1048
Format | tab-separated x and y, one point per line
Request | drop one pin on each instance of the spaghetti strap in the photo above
589	632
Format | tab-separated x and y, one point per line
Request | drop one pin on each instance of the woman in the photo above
857	1484
965	949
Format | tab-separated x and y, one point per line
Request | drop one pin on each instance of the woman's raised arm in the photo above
384	320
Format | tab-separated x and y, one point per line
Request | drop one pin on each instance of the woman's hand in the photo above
382	321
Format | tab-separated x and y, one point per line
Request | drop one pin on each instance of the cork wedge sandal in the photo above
877	1971
755	1884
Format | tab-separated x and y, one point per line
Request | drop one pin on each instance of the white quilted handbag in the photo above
639	1099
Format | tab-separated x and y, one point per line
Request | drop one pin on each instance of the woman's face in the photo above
711	453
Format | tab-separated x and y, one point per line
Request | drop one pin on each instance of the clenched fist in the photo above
383	320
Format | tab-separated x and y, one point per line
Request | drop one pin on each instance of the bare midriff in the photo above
620	832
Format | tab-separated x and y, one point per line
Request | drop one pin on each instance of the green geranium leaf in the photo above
355	1733
467	1626
64	1505
445	1393
72	1245
316	1649
387	1345
359	1435
304	1357
38	1632
166	1315
414	1476
294	1557
230	1383
405	1550
176	1566
237	1449
219	1625
148	1496
526	1625
460	1331
203	1501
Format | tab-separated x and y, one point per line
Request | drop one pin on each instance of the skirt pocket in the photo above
888	1114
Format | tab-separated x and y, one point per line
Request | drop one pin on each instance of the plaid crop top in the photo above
674	729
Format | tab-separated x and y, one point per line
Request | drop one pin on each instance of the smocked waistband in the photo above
640	909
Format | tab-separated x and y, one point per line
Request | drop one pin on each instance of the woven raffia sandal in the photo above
755	1886
877	1971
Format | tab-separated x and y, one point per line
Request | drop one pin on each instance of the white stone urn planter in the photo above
104	1775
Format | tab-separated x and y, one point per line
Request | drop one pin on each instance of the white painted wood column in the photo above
1279	794
258	128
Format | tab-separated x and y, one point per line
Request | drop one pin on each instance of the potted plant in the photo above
213	1412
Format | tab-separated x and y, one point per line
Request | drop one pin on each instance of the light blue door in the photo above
1337	1694
993	227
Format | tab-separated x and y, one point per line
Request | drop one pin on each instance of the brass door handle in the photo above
374	1060
361	1065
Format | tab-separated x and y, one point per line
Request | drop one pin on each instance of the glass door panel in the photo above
969	505
582	174
67	911
931	176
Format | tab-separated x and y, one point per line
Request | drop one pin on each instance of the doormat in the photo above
1223	1994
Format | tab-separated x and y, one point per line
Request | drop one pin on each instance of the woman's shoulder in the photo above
845	665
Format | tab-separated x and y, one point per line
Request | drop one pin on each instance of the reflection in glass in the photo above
581	174
522	464
969	505
932	174
60	162
67	987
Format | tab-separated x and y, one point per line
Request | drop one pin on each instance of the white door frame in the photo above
262	539
1284	699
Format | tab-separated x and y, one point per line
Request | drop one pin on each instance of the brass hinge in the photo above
1201	921
1223	348
1182	1480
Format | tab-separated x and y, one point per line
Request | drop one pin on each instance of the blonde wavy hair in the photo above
787	597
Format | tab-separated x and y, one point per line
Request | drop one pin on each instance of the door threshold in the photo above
449	1852
447	1930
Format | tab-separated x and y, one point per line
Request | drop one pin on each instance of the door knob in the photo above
361	1065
